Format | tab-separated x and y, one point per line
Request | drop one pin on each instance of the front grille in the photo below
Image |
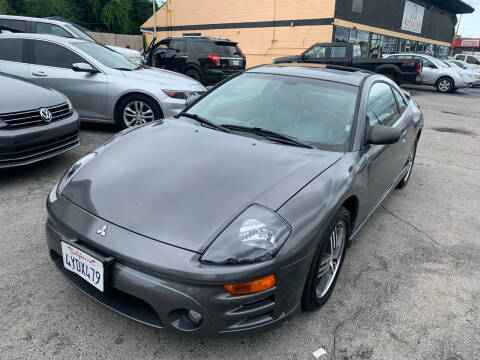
32	117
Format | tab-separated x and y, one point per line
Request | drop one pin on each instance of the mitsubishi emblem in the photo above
101	231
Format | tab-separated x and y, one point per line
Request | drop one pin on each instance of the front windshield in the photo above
317	111
79	33
453	65
463	65
106	56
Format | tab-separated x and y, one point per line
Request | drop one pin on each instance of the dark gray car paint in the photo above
23	96
304	186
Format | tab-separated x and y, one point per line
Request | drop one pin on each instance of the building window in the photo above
402	47
375	46
341	34
360	38
357	6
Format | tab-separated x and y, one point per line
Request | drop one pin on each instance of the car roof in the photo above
341	74
198	37
29	18
60	39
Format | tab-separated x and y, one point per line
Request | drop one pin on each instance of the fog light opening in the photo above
185	319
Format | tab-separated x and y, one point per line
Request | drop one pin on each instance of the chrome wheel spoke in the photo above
137	113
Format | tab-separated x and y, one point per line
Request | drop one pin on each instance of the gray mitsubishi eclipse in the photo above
235	214
35	123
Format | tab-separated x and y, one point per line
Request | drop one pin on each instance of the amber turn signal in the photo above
251	287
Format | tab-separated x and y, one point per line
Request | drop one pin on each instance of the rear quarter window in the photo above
204	47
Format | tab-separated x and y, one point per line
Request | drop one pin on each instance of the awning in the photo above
453	6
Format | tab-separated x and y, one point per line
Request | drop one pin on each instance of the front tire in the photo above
137	109
410	162
327	262
445	85
194	74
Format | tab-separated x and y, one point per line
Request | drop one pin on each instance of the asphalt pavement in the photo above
409	288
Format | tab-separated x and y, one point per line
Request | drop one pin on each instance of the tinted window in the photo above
338	52
13	26
45	28
180	45
204	47
315	53
50	54
223	48
461	57
321	112
382	108
402	104
472	60
11	50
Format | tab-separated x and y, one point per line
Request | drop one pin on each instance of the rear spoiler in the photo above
226	42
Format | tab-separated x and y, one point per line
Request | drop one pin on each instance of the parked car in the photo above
473	60
474	75
436	73
102	84
345	54
24	24
276	171
35	123
203	58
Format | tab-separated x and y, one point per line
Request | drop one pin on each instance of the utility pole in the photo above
154	20
456	34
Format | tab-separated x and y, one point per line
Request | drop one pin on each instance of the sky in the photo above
470	24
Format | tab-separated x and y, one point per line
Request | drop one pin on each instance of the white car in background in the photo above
474	73
438	74
24	24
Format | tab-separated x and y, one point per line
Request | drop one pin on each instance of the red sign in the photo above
466	43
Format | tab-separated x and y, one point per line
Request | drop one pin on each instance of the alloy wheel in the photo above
137	113
444	85
331	260
411	157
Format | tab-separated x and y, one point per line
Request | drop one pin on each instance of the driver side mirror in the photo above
84	67
383	135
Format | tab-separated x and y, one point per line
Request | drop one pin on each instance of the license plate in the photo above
236	62
82	264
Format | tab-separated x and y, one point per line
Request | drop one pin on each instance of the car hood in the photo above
181	184
175	80
13	100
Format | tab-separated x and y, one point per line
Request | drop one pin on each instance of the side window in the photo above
50	54
162	48
45	28
11	50
426	63
338	52
382	108
402	104
180	45
13	26
461	57
315	53
472	60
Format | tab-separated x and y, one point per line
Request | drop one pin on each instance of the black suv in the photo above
203	58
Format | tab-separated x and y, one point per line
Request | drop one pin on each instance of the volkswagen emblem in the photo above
46	115
101	231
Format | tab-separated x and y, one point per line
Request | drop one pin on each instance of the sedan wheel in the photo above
137	113
444	85
331	260
327	262
410	162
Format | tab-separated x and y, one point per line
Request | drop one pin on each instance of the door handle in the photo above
39	73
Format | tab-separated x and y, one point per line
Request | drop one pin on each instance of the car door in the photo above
51	66
430	71
13	57
384	162
177	55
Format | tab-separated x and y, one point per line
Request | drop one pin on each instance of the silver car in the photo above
102	84
14	24
436	73
467	69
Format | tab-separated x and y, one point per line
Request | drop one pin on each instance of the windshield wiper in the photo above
202	120
271	135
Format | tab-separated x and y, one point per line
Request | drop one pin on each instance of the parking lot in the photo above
410	287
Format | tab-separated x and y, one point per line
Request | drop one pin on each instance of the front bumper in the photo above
155	283
27	145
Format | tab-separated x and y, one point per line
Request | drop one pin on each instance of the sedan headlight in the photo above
257	234
184	95
74	169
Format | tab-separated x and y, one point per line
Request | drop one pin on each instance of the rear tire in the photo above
319	286
410	163
392	77
445	85
194	74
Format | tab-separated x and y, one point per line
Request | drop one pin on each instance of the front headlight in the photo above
257	234
460	74
184	95
74	169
